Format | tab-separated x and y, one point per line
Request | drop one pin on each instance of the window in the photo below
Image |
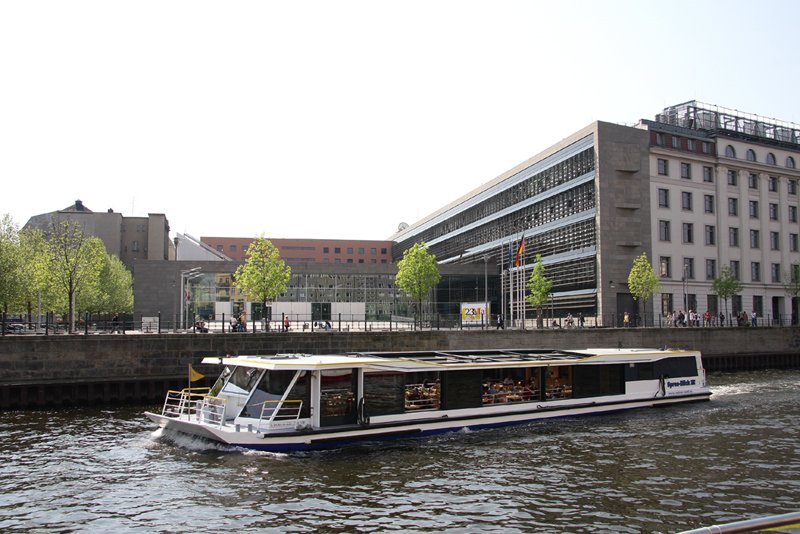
794	272
735	268
705	146
792	187
660	139
676	142
708	175
708	203
663	198
325	250
711	269
773	212
663	167
349	250
793	242
663	231
686	201
733	177
772	182
776	272
666	266
755	239
232	248
753	209
733	237
384	251
733	207
688	233
686	171
690	145
337	250
711	234
361	250
220	248
758	305
135	247
751	155
730	152
752	180
775	240
771	159
755	271
373	251
790	162
688	268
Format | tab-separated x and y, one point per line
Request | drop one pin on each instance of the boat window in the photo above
226	372
270	390
422	391
558	383
598	380
242	380
674	367
501	386
384	393
337	396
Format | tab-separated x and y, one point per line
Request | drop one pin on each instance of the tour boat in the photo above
290	402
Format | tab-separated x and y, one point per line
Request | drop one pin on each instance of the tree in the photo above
643	281
36	268
113	292
792	287
726	285
417	273
10	266
76	260
539	286
264	275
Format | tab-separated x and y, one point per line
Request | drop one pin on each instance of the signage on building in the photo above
474	313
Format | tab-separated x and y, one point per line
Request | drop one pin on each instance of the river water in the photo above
656	470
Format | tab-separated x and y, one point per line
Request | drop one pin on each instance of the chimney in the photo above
78	205
110	210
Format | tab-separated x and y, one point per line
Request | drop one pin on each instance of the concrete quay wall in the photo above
55	370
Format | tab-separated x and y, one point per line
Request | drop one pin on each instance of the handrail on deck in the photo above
751	525
189	402
276	410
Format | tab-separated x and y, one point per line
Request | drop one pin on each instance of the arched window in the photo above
790	162
771	159
730	152
751	155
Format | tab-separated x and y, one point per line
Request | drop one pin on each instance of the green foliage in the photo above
111	292
417	273
76	260
539	286
264	275
10	264
792	284
726	285
643	280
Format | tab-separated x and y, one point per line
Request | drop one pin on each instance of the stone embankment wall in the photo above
55	370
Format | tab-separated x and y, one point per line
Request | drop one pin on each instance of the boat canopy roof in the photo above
437	360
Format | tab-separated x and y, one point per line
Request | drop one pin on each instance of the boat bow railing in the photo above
195	404
279	414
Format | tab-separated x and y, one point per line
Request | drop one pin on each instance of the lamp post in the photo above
685	280
186	276
486	292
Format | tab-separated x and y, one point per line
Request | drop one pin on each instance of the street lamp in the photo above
685	280
186	276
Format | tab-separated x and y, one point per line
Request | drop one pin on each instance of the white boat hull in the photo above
436	423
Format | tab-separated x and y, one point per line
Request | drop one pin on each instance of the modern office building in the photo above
697	188
295	251
131	239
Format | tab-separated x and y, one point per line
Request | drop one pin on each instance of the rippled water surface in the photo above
657	470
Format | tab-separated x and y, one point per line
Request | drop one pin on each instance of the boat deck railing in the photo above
279	414
196	404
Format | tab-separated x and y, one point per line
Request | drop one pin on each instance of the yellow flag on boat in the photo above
194	376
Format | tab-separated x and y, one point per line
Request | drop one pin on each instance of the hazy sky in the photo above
340	119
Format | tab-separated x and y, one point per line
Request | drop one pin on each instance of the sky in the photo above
340	120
